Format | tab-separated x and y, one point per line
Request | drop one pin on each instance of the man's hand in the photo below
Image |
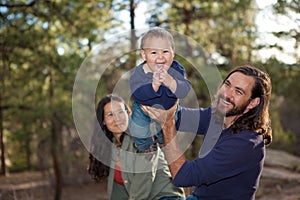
174	155
159	115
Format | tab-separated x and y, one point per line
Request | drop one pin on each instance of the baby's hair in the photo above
157	33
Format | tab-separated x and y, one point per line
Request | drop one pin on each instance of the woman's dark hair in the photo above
257	118
96	168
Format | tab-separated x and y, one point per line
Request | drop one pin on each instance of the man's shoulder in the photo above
249	136
248	132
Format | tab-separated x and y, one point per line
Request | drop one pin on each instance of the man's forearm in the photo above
174	155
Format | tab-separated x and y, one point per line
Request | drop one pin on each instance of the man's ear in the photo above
253	103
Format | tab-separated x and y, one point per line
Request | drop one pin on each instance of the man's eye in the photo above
239	92
166	51
226	83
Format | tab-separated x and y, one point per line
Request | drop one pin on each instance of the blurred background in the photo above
43	44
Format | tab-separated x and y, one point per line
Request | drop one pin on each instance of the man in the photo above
232	164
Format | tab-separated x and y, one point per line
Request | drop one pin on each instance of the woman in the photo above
123	183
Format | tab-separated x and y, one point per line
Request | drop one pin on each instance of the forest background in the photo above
43	44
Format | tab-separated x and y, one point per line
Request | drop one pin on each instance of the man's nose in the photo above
228	93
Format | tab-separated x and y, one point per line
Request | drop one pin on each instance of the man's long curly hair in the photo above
257	118
98	170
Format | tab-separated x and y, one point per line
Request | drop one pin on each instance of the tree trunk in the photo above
133	40
132	24
2	145
3	166
54	145
56	165
28	152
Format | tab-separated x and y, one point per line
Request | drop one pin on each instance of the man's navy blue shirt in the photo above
230	170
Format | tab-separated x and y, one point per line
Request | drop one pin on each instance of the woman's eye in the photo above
121	112
109	114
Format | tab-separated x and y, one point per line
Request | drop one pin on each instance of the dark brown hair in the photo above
96	168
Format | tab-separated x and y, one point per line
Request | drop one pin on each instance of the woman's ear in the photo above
129	112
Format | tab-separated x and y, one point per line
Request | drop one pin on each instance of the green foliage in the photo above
282	139
43	44
223	27
284	107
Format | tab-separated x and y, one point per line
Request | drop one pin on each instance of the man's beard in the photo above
235	111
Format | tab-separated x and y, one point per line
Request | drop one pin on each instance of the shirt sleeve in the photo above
141	86
183	84
233	155
193	120
145	93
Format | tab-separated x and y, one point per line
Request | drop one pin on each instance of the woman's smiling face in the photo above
115	117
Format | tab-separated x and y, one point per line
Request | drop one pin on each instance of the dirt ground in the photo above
271	189
37	186
34	186
280	181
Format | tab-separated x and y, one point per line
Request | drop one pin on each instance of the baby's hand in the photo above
156	83
164	77
168	80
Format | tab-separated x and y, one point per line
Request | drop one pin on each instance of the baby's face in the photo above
158	53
